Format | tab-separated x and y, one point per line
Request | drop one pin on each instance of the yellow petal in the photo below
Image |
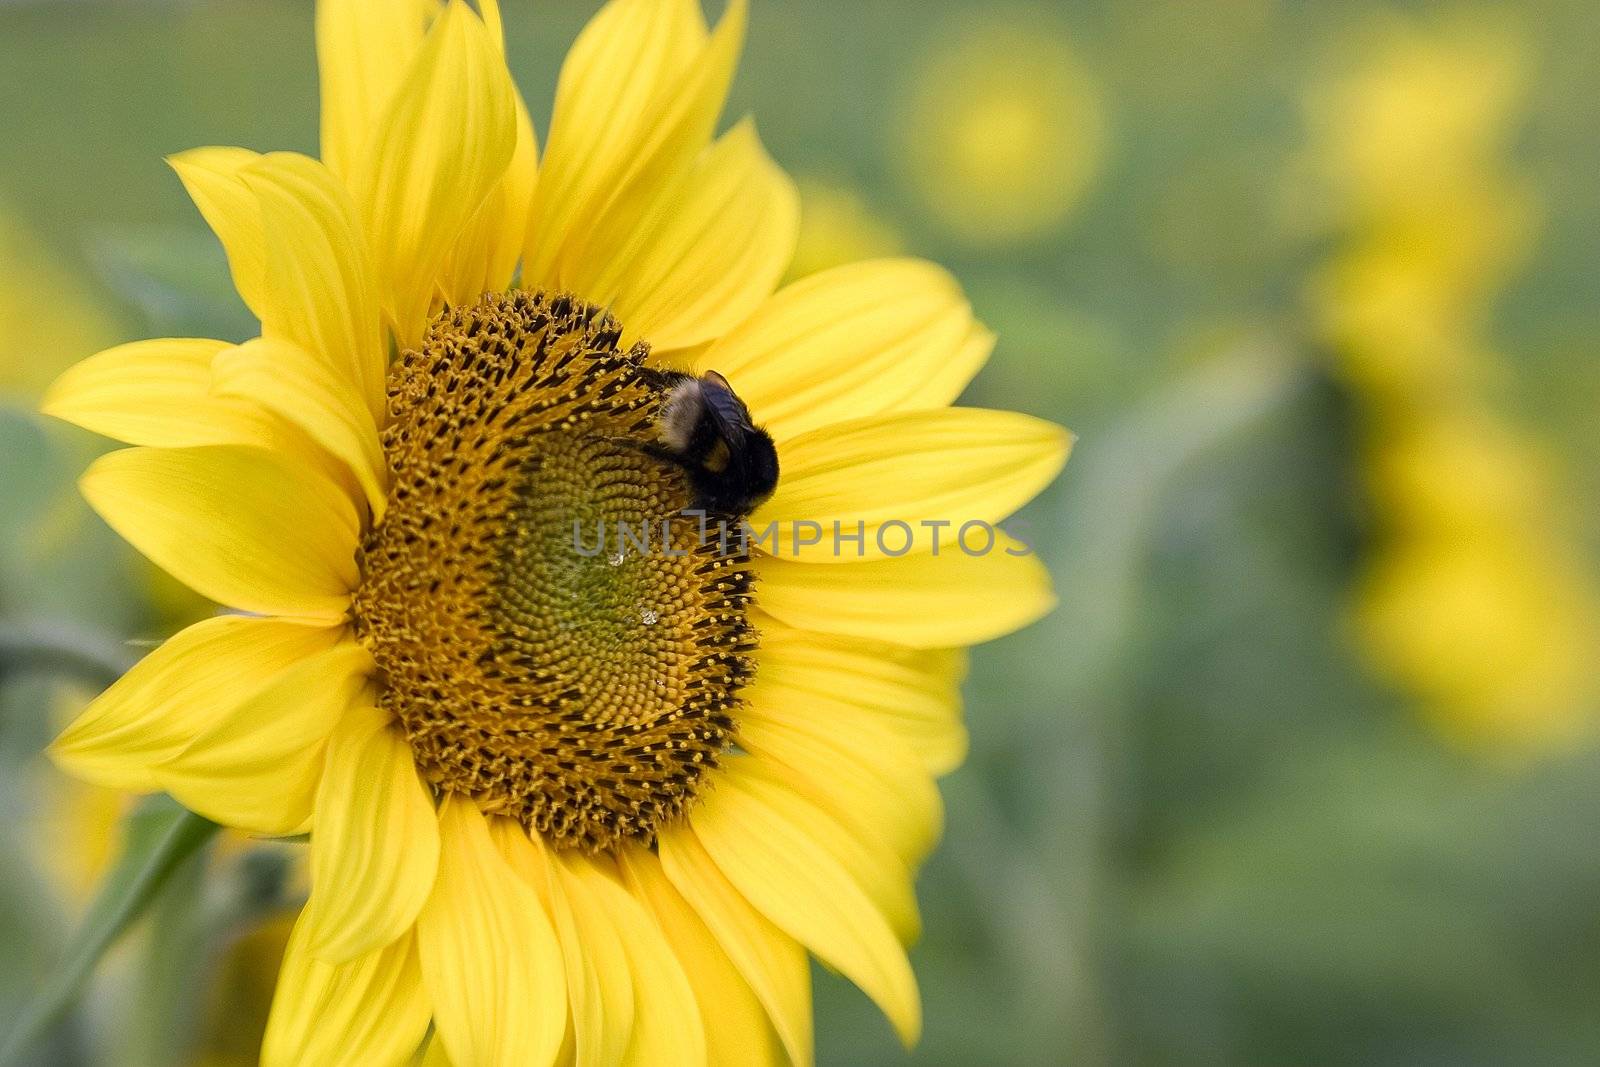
771	962
859	846
435	1055
812	879
151	393
669	1027
489	11
856	769
237	524
211	177
675	135
489	956
374	842
166	393
950	375
699	258
913	693
599	978
364	48
258	767
615	142
951	466
485	255
178	692
599	119
865	339
942	601
298	260
321	290
666	1026
738	1033
602	1006
371	1010
446	139
302	390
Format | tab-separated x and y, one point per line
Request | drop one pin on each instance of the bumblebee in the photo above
706	429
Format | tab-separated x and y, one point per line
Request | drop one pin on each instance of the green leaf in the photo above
159	836
62	649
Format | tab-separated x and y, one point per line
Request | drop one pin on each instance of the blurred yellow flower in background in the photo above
1425	114
1004	129
240	995
48	318
838	226
1410	148
1481	600
1477	600
75	837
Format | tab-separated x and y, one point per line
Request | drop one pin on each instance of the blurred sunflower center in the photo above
560	643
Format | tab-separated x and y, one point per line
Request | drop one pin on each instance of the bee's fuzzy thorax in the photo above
680	413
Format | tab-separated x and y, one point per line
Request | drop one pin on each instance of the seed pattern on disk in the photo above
539	662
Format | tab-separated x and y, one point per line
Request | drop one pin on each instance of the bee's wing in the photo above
725	407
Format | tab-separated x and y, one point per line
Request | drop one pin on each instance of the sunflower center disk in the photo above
540	662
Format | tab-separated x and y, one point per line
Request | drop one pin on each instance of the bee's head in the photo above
758	463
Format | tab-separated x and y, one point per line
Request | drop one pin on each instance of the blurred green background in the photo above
1303	768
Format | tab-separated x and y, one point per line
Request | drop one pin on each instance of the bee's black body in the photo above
706	429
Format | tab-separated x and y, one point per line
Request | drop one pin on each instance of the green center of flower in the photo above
560	643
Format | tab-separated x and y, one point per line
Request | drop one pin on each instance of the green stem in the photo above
160	836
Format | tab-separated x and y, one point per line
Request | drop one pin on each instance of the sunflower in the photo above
561	806
1003	128
1477	600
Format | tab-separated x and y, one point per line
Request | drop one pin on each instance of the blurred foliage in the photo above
1197	826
